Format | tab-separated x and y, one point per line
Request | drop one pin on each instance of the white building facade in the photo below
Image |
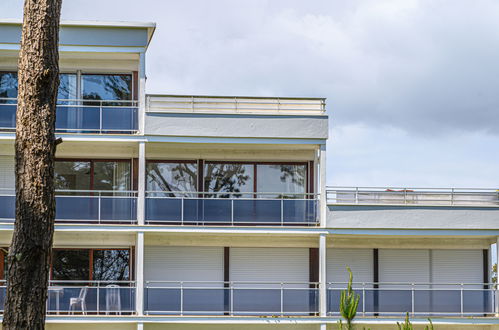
212	212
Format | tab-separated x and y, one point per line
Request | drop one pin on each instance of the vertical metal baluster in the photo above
98	299
181	298
232	210
452	197
100	117
412	299
462	298
282	210
282	299
231	298
182	210
356	195
99	204
363	299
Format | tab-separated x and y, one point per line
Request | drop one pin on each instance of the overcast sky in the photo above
412	86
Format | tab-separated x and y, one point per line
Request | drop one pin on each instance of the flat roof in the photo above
150	26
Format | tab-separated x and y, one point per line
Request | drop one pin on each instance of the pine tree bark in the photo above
29	254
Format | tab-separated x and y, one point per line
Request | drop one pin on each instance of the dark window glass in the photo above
111	265
224	177
71	265
171	177
67	88
72	175
8	87
286	180
112	175
107	87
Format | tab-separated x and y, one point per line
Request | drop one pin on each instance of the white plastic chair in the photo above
79	301
113	299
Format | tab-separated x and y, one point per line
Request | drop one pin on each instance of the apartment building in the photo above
212	212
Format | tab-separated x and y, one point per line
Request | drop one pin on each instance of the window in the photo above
8	87
229	177
70	265
171	177
111	265
92	175
278	178
107	87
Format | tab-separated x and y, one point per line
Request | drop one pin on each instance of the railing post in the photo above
231	312
363	299
452	197
98	299
412	300
462	299
282	299
182	200
100	117
356	195
282	210
99	204
181	298
232	210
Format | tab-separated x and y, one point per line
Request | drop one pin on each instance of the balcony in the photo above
83	206
231	298
82	116
87	297
413	196
235	105
231	209
418	299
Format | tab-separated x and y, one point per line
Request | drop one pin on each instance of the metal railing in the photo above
82	116
232	208
231	298
87	297
476	197
82	206
235	105
418	299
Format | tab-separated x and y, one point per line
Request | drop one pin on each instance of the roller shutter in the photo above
360	262
457	266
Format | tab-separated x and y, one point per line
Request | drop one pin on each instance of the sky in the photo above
412	87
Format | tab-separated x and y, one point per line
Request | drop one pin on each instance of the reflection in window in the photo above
67	88
107	87
72	175
8	87
112	175
111	265
71	265
171	177
225	177
286	180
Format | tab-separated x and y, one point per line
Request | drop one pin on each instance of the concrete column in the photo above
140	326
322	276
496	261
142	92
141	184
139	273
322	186
323	326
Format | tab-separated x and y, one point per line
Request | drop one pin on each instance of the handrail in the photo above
413	196
234	104
76	100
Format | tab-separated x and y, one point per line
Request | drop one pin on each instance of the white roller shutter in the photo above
360	262
457	266
406	266
184	263
7	179
269	265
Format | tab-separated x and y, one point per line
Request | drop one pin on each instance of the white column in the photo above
140	326
139	273
322	275
323	326
322	185
142	91
496	261
141	195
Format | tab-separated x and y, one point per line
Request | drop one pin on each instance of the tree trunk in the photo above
29	254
